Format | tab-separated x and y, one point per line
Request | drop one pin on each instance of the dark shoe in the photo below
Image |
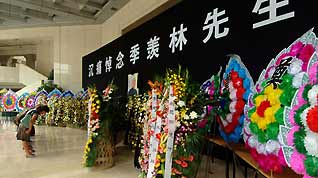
30	156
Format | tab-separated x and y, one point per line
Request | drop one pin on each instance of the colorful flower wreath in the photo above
67	93
300	132
41	97
274	91
21	104
30	101
9	101
236	87
54	93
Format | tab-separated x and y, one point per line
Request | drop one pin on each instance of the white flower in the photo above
178	124
312	95
298	79
186	117
311	144
272	147
181	103
295	66
193	115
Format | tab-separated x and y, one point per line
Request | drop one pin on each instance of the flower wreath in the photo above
21	104
9	101
274	91
30	101
236	87
41	97
56	93
300	133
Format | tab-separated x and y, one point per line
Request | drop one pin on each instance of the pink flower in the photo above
295	49
297	162
290	135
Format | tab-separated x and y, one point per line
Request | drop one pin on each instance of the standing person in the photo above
25	127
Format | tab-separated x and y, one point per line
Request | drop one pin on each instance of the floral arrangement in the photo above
9	101
98	124
211	88
274	91
174	110
136	114
300	132
235	89
136	111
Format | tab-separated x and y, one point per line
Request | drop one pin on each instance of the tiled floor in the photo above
59	155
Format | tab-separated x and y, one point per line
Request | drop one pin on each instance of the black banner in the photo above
199	35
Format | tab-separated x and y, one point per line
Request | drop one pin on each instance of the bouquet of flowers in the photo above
97	124
171	140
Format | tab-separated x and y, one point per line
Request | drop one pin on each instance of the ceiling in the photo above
31	13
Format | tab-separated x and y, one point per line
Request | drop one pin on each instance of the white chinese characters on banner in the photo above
108	63
272	10
153	47
215	25
99	68
177	38
134	53
119	59
91	70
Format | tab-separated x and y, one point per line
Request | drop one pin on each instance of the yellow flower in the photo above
255	117
160	172
262	124
259	99
269	112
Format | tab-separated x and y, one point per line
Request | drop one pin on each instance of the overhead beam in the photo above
38	14
108	9
83	3
94	5
52	8
12	9
14	17
57	1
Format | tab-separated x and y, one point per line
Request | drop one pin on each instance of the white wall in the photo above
76	41
131	12
63	47
9	74
60	48
28	76
44	56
